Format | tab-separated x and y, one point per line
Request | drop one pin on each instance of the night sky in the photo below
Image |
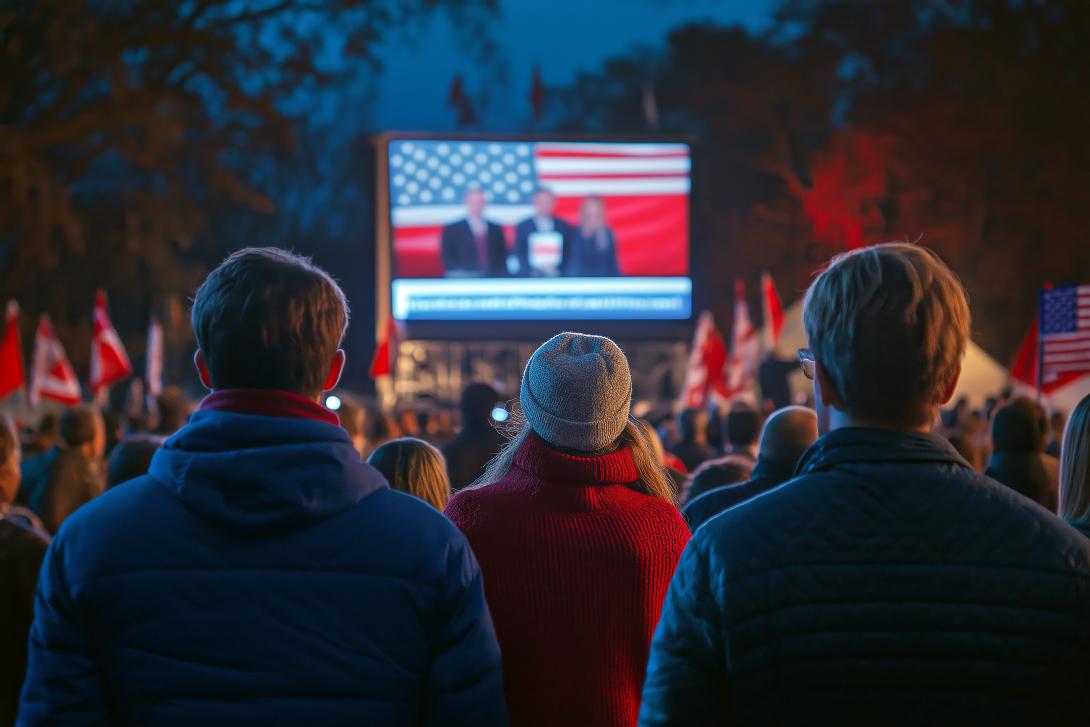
562	36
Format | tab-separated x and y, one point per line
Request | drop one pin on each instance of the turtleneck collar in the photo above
538	458
268	402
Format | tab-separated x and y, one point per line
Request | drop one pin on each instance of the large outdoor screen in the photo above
547	230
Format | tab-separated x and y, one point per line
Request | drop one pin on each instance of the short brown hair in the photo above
889	325
414	466
268	319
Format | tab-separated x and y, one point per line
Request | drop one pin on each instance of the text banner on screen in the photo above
540	299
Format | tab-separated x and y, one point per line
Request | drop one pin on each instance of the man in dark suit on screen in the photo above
542	240
473	246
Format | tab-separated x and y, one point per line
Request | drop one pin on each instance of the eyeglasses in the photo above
806	359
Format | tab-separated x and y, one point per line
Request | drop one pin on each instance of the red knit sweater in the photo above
576	566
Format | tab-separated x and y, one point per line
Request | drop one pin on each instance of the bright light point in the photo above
333	402
499	413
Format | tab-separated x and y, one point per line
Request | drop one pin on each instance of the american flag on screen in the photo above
1065	333
645	187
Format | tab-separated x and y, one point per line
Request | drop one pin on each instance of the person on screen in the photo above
592	251
540	240
473	246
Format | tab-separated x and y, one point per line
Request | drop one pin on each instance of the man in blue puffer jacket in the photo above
260	573
888	583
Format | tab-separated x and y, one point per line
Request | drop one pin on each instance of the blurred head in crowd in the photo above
131	458
408	423
544	202
742	428
478	401
414	466
379	428
787	434
82	428
352	419
174	410
693	426
728	470
1075	467
114	426
887	327
268	319
48	431
592	214
1055	432
576	396
1019	426
475	202
9	460
1018	459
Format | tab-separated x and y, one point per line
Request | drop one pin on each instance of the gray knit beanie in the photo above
576	392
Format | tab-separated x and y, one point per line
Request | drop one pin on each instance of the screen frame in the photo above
522	329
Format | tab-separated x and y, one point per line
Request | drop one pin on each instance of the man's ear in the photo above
829	395
335	371
951	387
202	369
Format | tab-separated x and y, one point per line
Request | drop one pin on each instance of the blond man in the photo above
888	582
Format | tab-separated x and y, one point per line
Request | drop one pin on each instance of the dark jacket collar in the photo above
855	445
538	458
268	402
773	469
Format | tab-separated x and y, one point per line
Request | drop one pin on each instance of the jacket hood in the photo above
855	445
263	473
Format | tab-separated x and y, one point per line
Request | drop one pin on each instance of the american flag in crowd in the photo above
1065	333
645	187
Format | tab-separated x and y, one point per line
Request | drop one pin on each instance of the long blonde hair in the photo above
414	466
1075	466
652	480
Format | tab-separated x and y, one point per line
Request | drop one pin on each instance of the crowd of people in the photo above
875	558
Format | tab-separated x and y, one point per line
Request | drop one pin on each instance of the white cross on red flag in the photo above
109	362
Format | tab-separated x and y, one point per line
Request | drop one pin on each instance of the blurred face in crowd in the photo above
544	203
475	202
593	214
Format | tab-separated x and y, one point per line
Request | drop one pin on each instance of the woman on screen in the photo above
592	248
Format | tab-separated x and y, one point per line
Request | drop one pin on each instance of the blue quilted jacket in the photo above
887	584
261	574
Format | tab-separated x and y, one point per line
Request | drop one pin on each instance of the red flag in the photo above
12	375
537	93
742	364
705	375
382	363
772	311
52	376
1024	368
109	362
